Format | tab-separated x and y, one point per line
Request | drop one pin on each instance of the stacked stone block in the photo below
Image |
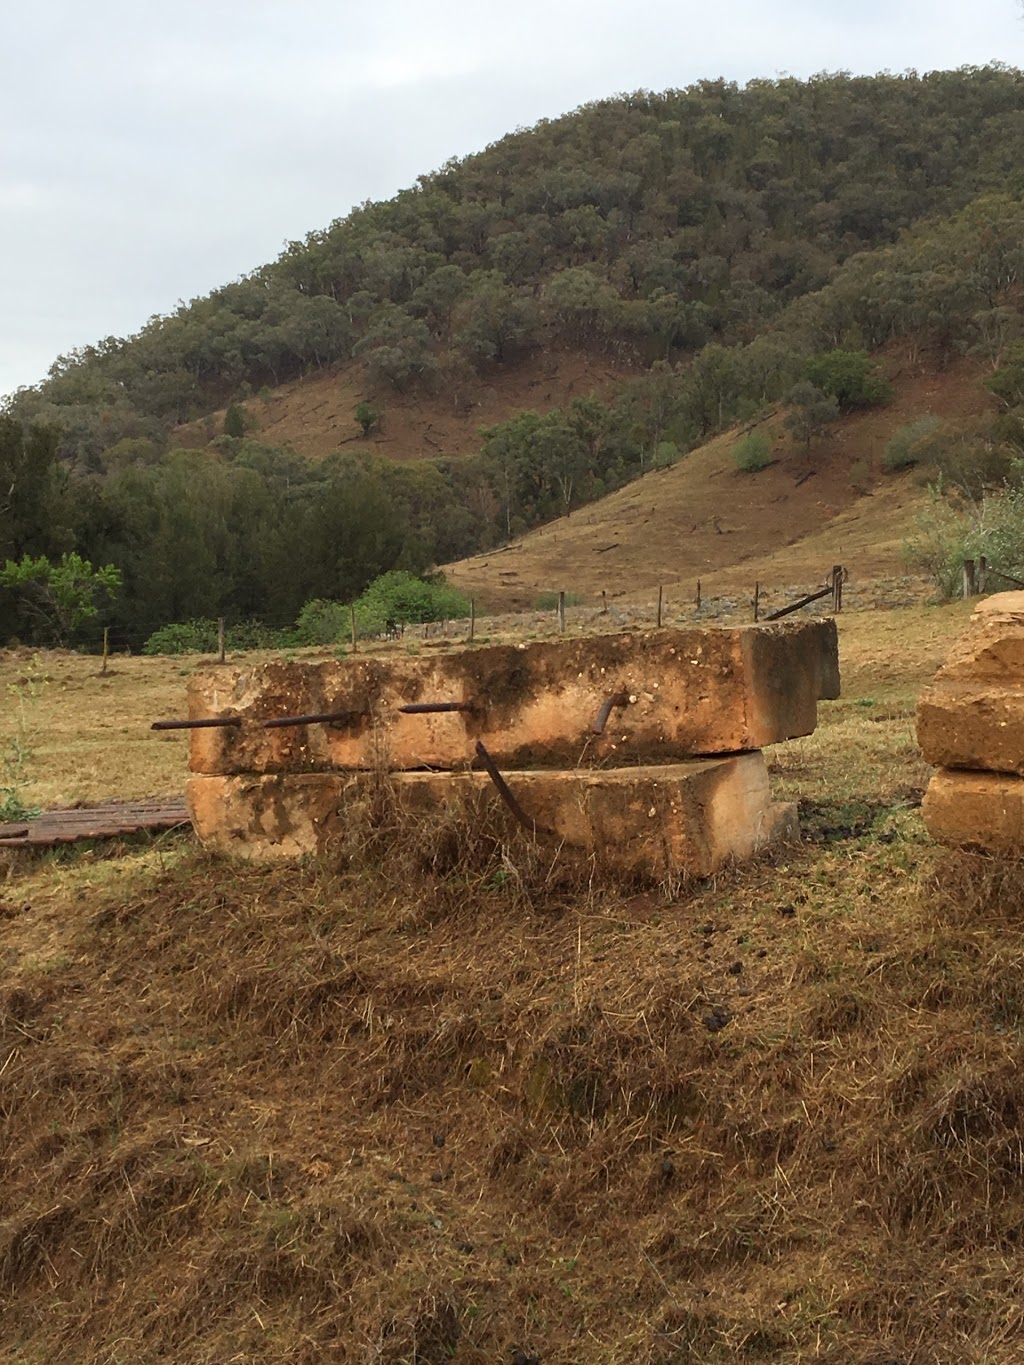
970	725
673	781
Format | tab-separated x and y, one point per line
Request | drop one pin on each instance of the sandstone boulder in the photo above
676	693
688	819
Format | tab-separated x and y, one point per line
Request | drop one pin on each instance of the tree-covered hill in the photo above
646	224
707	243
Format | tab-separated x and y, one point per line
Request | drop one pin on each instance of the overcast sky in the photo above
150	151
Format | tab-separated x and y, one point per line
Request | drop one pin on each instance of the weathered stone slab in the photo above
976	810
991	649
707	690
687	819
972	716
967	724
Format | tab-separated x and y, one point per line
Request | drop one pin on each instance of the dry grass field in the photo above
442	1099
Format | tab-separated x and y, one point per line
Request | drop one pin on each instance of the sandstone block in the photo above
974	725
710	690
991	649
972	716
686	819
976	810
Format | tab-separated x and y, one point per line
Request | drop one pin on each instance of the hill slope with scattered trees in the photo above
710	245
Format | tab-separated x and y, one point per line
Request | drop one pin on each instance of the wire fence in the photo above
671	604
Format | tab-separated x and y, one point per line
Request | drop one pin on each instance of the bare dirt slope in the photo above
705	519
316	416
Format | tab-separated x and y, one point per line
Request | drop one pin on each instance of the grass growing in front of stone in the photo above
449	1094
453	1096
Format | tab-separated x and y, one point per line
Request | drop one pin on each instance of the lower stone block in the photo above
686	819
976	810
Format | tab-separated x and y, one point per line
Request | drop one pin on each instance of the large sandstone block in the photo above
972	716
976	810
707	690
991	649
687	819
972	725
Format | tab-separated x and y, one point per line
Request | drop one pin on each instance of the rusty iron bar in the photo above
321	718
429	708
616	700
795	606
1007	576
223	723
502	786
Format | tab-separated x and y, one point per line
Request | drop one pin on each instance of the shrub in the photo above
183	637
234	421
200	637
753	452
948	534
255	635
911	444
367	417
400	596
321	622
850	377
972	464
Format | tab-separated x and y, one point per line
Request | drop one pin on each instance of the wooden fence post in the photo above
604	603
659	605
561	611
352	612
838	573
220	638
106	648
472	618
757	600
982	571
969	578
698	594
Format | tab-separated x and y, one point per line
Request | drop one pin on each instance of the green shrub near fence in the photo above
322	622
200	637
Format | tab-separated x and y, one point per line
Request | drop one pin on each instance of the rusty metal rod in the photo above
795	606
503	791
1007	576
224	723
321	718
428	708
616	700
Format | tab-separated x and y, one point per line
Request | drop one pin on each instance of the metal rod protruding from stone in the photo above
616	700
491	769
429	708
223	723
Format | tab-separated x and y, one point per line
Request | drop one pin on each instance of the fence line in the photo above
112	640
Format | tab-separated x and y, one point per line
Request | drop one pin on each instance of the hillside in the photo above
532	329
314	416
705	519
